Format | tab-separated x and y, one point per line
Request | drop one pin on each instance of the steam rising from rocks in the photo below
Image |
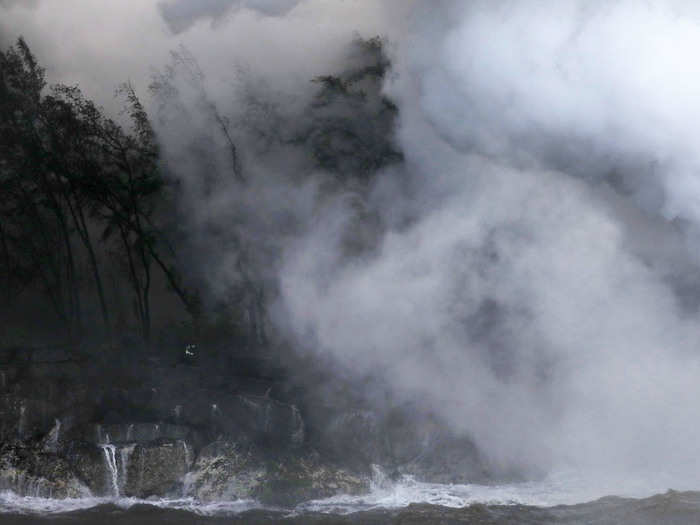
533	290
534	279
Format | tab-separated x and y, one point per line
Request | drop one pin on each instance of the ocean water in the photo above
564	498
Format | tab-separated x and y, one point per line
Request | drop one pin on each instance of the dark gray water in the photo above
669	508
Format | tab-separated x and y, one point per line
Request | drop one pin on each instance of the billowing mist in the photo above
536	282
528	270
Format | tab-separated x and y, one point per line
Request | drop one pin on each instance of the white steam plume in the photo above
518	300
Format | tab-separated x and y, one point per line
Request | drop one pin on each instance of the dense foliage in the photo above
89	209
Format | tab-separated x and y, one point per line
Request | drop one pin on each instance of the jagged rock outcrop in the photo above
33	472
224	471
405	441
228	471
88	462
122	423
154	469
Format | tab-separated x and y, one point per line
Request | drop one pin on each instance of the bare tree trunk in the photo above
84	233
135	282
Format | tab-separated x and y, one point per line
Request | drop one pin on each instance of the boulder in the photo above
226	471
33	472
355	437
154	469
30	418
292	480
90	465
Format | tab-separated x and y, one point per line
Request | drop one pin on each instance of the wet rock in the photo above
88	462
22	418
355	436
31	418
236	416
291	480
33	472
448	459
154	469
135	432
51	442
405	440
225	471
228	471
265	420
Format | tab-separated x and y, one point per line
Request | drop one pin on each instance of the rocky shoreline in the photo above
124	423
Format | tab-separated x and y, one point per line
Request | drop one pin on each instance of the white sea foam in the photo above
11	503
14	504
566	488
563	489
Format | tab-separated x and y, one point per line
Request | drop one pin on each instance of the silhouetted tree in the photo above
67	173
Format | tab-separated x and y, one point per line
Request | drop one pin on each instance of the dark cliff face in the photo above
126	422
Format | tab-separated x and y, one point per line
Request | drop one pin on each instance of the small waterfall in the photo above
298	426
130	432
156	431
52	440
22	425
177	411
187	483
379	480
124	454
266	423
188	455
98	433
111	462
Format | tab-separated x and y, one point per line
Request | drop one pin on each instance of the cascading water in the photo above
266	424
111	462
52	439
22	425
188	454
124	455
298	426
